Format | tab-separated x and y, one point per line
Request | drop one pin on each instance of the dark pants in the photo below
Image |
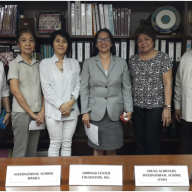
147	126
186	136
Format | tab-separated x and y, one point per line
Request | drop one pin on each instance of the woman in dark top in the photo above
151	74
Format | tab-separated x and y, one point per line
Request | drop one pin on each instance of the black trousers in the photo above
147	126
186	137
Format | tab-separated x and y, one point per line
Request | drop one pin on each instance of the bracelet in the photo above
169	106
8	111
72	97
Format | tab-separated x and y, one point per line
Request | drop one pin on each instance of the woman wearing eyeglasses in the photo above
105	93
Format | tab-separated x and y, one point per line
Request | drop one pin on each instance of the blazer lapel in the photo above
99	64
112	63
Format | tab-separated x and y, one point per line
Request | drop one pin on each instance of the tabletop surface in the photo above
127	161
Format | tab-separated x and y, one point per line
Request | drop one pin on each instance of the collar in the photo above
97	57
55	59
20	59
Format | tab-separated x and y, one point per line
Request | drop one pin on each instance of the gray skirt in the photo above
110	134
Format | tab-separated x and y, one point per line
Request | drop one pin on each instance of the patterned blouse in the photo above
147	80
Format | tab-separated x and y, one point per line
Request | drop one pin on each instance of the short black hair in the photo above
96	50
62	33
147	30
24	31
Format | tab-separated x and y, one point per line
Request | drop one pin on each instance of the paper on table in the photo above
92	133
33	126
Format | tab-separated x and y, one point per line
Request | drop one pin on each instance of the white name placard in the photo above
47	175
167	175
96	175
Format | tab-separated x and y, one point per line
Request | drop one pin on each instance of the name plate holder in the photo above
96	175
46	175
162	175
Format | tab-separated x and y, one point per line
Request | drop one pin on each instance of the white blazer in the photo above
58	87
4	89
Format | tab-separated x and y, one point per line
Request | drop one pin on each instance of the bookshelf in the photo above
138	9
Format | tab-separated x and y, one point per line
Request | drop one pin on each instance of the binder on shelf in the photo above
44	52
77	17
94	20
188	45
72	18
117	46
74	55
171	51
101	16
111	22
124	49
97	17
122	22
119	21
178	47
89	19
163	46
47	50
50	52
83	19
157	44
1	19
80	51
126	21
14	20
87	49
106	16
129	21
114	19
131	47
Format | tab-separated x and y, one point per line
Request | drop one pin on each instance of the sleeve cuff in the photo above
177	106
74	95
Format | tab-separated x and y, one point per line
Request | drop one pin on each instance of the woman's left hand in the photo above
40	117
128	116
66	108
7	118
166	117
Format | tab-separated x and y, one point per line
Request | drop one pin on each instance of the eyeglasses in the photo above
106	39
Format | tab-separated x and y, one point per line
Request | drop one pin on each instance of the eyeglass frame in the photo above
104	39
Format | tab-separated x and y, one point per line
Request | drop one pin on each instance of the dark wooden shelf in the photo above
6	35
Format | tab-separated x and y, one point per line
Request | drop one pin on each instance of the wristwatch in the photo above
169	106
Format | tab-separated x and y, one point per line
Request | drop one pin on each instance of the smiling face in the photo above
60	45
103	46
145	43
26	43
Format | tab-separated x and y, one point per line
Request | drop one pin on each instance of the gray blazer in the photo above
100	92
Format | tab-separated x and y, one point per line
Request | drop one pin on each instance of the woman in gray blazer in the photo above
105	93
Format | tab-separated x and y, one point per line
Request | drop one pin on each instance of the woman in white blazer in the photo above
4	91
105	93
60	82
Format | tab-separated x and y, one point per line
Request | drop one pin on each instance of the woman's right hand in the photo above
33	116
85	119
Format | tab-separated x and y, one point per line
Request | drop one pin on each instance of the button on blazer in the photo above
100	92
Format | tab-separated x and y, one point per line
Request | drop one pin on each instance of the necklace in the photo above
62	69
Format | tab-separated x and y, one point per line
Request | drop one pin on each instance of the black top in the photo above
147	80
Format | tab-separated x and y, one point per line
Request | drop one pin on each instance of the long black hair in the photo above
95	49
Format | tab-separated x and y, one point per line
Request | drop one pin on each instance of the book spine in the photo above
106	16
111	23
94	20
44	52
72	18
97	17
50	53
77	18
129	21
119	21
126	21
122	22
83	20
14	20
1	19
114	16
89	19
101	16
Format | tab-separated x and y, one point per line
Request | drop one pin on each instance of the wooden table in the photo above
128	163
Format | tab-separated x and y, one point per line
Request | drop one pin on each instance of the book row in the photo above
87	19
8	19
